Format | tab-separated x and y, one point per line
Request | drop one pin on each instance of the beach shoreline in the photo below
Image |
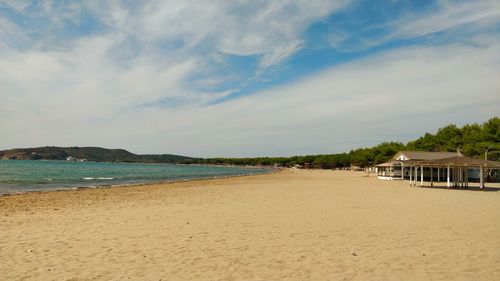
287	225
11	185
76	188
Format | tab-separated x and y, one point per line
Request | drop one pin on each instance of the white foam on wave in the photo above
105	178
89	178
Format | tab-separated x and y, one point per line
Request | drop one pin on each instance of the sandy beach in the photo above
290	225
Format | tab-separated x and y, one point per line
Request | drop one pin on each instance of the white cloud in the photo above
393	96
279	54
104	88
8	31
455	19
448	16
147	40
271	29
336	38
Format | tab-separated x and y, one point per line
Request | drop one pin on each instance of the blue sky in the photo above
244	78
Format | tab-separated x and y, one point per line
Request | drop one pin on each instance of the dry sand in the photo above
292	225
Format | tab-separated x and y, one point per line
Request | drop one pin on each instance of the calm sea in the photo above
30	175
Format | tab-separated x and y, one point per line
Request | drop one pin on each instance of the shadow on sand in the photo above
469	188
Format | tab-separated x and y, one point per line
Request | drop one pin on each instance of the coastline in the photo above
77	188
288	225
67	186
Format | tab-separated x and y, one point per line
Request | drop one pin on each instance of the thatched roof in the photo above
425	155
457	161
386	164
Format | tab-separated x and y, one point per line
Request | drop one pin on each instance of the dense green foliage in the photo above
473	140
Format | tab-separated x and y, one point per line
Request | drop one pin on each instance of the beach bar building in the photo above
450	167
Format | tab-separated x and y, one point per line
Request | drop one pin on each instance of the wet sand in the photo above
291	225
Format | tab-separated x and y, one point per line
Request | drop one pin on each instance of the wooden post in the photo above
439	178
421	176
481	179
462	178
448	177
455	177
415	178
411	172
466	177
432	169
402	171
415	171
459	178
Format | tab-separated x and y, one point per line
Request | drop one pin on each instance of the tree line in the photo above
473	140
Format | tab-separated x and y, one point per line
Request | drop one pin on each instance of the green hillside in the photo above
96	154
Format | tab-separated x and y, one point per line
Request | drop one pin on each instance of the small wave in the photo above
105	178
49	179
89	178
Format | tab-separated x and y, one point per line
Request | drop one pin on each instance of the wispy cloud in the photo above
147	76
448	15
163	33
455	19
395	95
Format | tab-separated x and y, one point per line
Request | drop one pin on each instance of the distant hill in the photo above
97	154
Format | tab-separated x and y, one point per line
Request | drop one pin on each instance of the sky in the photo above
244	78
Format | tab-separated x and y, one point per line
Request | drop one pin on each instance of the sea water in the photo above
39	175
